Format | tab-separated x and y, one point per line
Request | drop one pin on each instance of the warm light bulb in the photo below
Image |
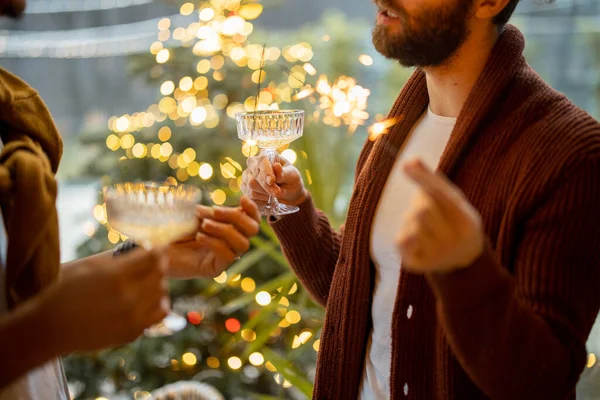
189	359
207	14
316	344
263	298
113	237
233	25
198	115
250	11
166	149
305	336
122	124
164	133
113	142
293	317
256	359
248	335
310	69
186	83
221	278
127	141
156	47
365	59
234	363
248	285
187	9
162	56
290	155
206	171
232	325
99	213
294	288
218	197
139	150
89	229
213	362
193	169
237	53
167	88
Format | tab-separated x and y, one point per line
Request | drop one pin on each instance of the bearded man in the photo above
479	280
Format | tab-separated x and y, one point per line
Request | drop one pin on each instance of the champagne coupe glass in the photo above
154	214
270	130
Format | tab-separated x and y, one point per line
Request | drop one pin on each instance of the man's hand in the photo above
281	180
222	238
442	231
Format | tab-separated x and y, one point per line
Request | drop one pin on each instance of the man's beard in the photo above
428	39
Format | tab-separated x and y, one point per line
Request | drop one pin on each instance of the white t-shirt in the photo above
45	382
427	140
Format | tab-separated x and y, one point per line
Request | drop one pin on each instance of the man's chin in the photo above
384	45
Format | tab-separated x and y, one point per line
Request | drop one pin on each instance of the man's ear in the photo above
489	9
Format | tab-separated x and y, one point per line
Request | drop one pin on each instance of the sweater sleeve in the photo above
311	246
522	335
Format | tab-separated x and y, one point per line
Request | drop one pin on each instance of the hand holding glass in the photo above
153	215
270	130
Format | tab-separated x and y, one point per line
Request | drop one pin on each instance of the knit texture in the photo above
514	324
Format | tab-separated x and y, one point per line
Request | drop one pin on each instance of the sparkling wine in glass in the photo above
152	215
271	130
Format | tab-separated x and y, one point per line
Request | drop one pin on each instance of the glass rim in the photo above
266	112
112	190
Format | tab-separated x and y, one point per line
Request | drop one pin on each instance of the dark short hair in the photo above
504	15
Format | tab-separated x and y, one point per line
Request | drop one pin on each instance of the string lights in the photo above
62	6
103	41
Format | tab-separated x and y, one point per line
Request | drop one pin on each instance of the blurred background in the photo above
145	89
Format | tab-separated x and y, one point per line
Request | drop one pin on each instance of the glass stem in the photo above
272	156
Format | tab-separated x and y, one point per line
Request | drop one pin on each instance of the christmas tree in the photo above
253	331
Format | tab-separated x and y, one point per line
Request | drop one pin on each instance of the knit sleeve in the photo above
522	335
311	246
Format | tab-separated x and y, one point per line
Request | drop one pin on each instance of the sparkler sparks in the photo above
381	128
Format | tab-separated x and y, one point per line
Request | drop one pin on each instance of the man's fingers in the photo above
427	215
439	188
266	176
279	172
256	187
260	196
252	162
254	195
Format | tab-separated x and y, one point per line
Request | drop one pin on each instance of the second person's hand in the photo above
105	301
223	236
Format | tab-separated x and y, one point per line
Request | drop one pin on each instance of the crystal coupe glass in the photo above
153	214
271	130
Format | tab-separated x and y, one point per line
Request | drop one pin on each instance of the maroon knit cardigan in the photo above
514	324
